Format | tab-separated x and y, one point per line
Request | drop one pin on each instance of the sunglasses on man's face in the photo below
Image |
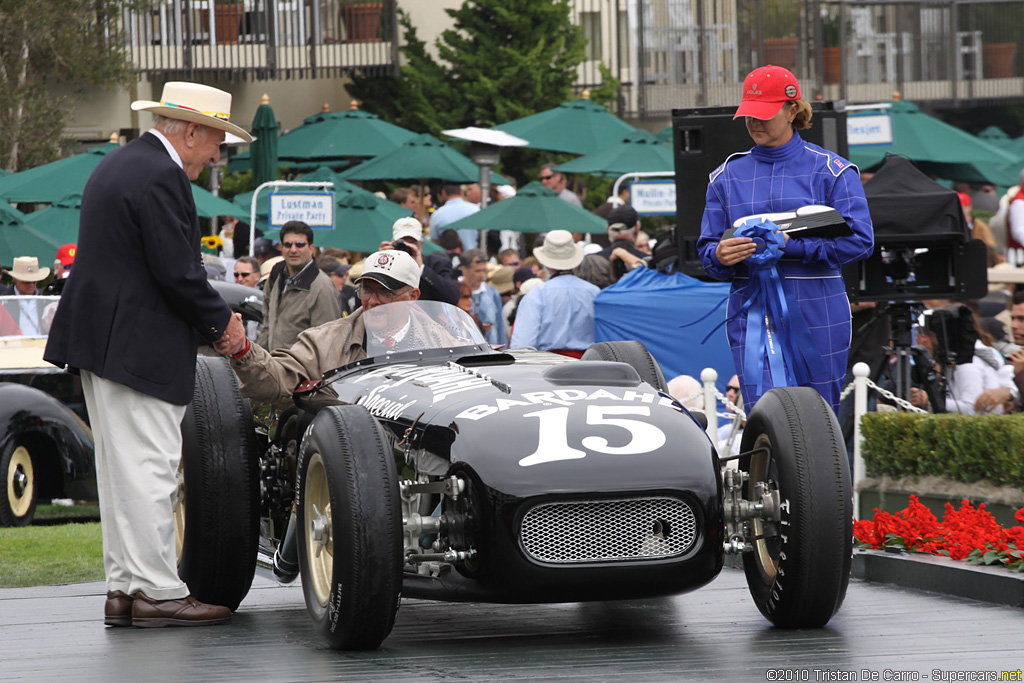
732	387
547	177
237	274
298	244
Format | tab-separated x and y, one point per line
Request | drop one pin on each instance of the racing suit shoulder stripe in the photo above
835	163
714	174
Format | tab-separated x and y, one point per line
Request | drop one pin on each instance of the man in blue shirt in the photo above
455	208
559	315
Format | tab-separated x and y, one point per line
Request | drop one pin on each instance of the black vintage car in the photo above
46	448
457	472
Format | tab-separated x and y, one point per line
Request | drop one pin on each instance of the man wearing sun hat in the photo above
782	173
130	321
389	276
559	316
29	315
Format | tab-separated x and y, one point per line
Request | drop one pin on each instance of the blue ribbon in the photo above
776	328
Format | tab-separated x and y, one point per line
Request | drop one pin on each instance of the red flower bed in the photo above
969	533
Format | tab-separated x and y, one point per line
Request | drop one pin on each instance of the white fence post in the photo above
709	376
860	407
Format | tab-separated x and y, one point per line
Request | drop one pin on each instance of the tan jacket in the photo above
271	377
312	300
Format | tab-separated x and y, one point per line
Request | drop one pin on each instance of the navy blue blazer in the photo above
138	302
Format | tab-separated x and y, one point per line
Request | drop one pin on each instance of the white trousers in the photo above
138	448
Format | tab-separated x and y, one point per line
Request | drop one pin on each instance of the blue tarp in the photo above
651	306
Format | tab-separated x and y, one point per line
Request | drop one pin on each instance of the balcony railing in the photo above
263	39
680	53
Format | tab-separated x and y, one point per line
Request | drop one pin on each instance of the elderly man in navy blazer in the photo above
130	320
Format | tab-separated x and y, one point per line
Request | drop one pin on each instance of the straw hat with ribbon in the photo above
197	104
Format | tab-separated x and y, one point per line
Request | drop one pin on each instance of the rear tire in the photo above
350	528
19	493
632	353
217	515
799	569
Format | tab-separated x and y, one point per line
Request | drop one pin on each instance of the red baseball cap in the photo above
66	254
765	89
965	199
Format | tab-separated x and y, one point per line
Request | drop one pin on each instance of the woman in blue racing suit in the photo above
782	173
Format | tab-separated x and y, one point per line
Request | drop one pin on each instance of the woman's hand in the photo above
731	251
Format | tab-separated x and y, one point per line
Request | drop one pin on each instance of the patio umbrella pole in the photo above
325	184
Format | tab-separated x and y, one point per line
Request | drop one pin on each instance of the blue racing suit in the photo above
779	179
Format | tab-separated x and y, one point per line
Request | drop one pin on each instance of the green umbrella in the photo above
18	239
665	135
534	209
422	157
209	205
994	134
49	183
329	138
638	151
1016	148
578	127
361	222
264	148
935	147
59	220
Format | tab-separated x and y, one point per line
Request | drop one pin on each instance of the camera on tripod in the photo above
923	250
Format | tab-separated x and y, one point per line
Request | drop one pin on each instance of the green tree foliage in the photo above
49	46
504	59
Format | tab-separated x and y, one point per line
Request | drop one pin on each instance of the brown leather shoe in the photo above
186	611
118	609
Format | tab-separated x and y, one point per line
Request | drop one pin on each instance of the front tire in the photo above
19	495
799	569
216	517
350	528
632	353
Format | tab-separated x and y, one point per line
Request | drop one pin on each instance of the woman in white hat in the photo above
129	321
558	316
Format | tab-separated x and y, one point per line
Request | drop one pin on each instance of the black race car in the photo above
457	472
46	447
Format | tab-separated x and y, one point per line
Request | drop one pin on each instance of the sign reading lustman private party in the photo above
316	209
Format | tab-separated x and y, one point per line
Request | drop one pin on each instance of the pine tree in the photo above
502	60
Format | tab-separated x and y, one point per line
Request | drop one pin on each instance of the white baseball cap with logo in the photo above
392	268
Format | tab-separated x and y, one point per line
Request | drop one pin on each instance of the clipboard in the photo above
807	221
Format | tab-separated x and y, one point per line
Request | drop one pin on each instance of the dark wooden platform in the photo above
714	634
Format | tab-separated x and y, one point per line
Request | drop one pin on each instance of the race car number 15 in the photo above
553	433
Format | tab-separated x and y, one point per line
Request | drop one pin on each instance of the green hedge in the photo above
957	447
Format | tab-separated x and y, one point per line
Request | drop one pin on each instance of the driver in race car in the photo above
388	276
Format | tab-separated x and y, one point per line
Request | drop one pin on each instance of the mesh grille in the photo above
608	530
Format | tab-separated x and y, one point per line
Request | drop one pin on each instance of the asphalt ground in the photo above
53	633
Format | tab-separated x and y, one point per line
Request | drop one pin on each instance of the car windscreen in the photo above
27	316
403	326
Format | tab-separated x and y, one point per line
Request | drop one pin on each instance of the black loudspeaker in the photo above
704	137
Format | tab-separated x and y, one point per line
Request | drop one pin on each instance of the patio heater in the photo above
485	151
